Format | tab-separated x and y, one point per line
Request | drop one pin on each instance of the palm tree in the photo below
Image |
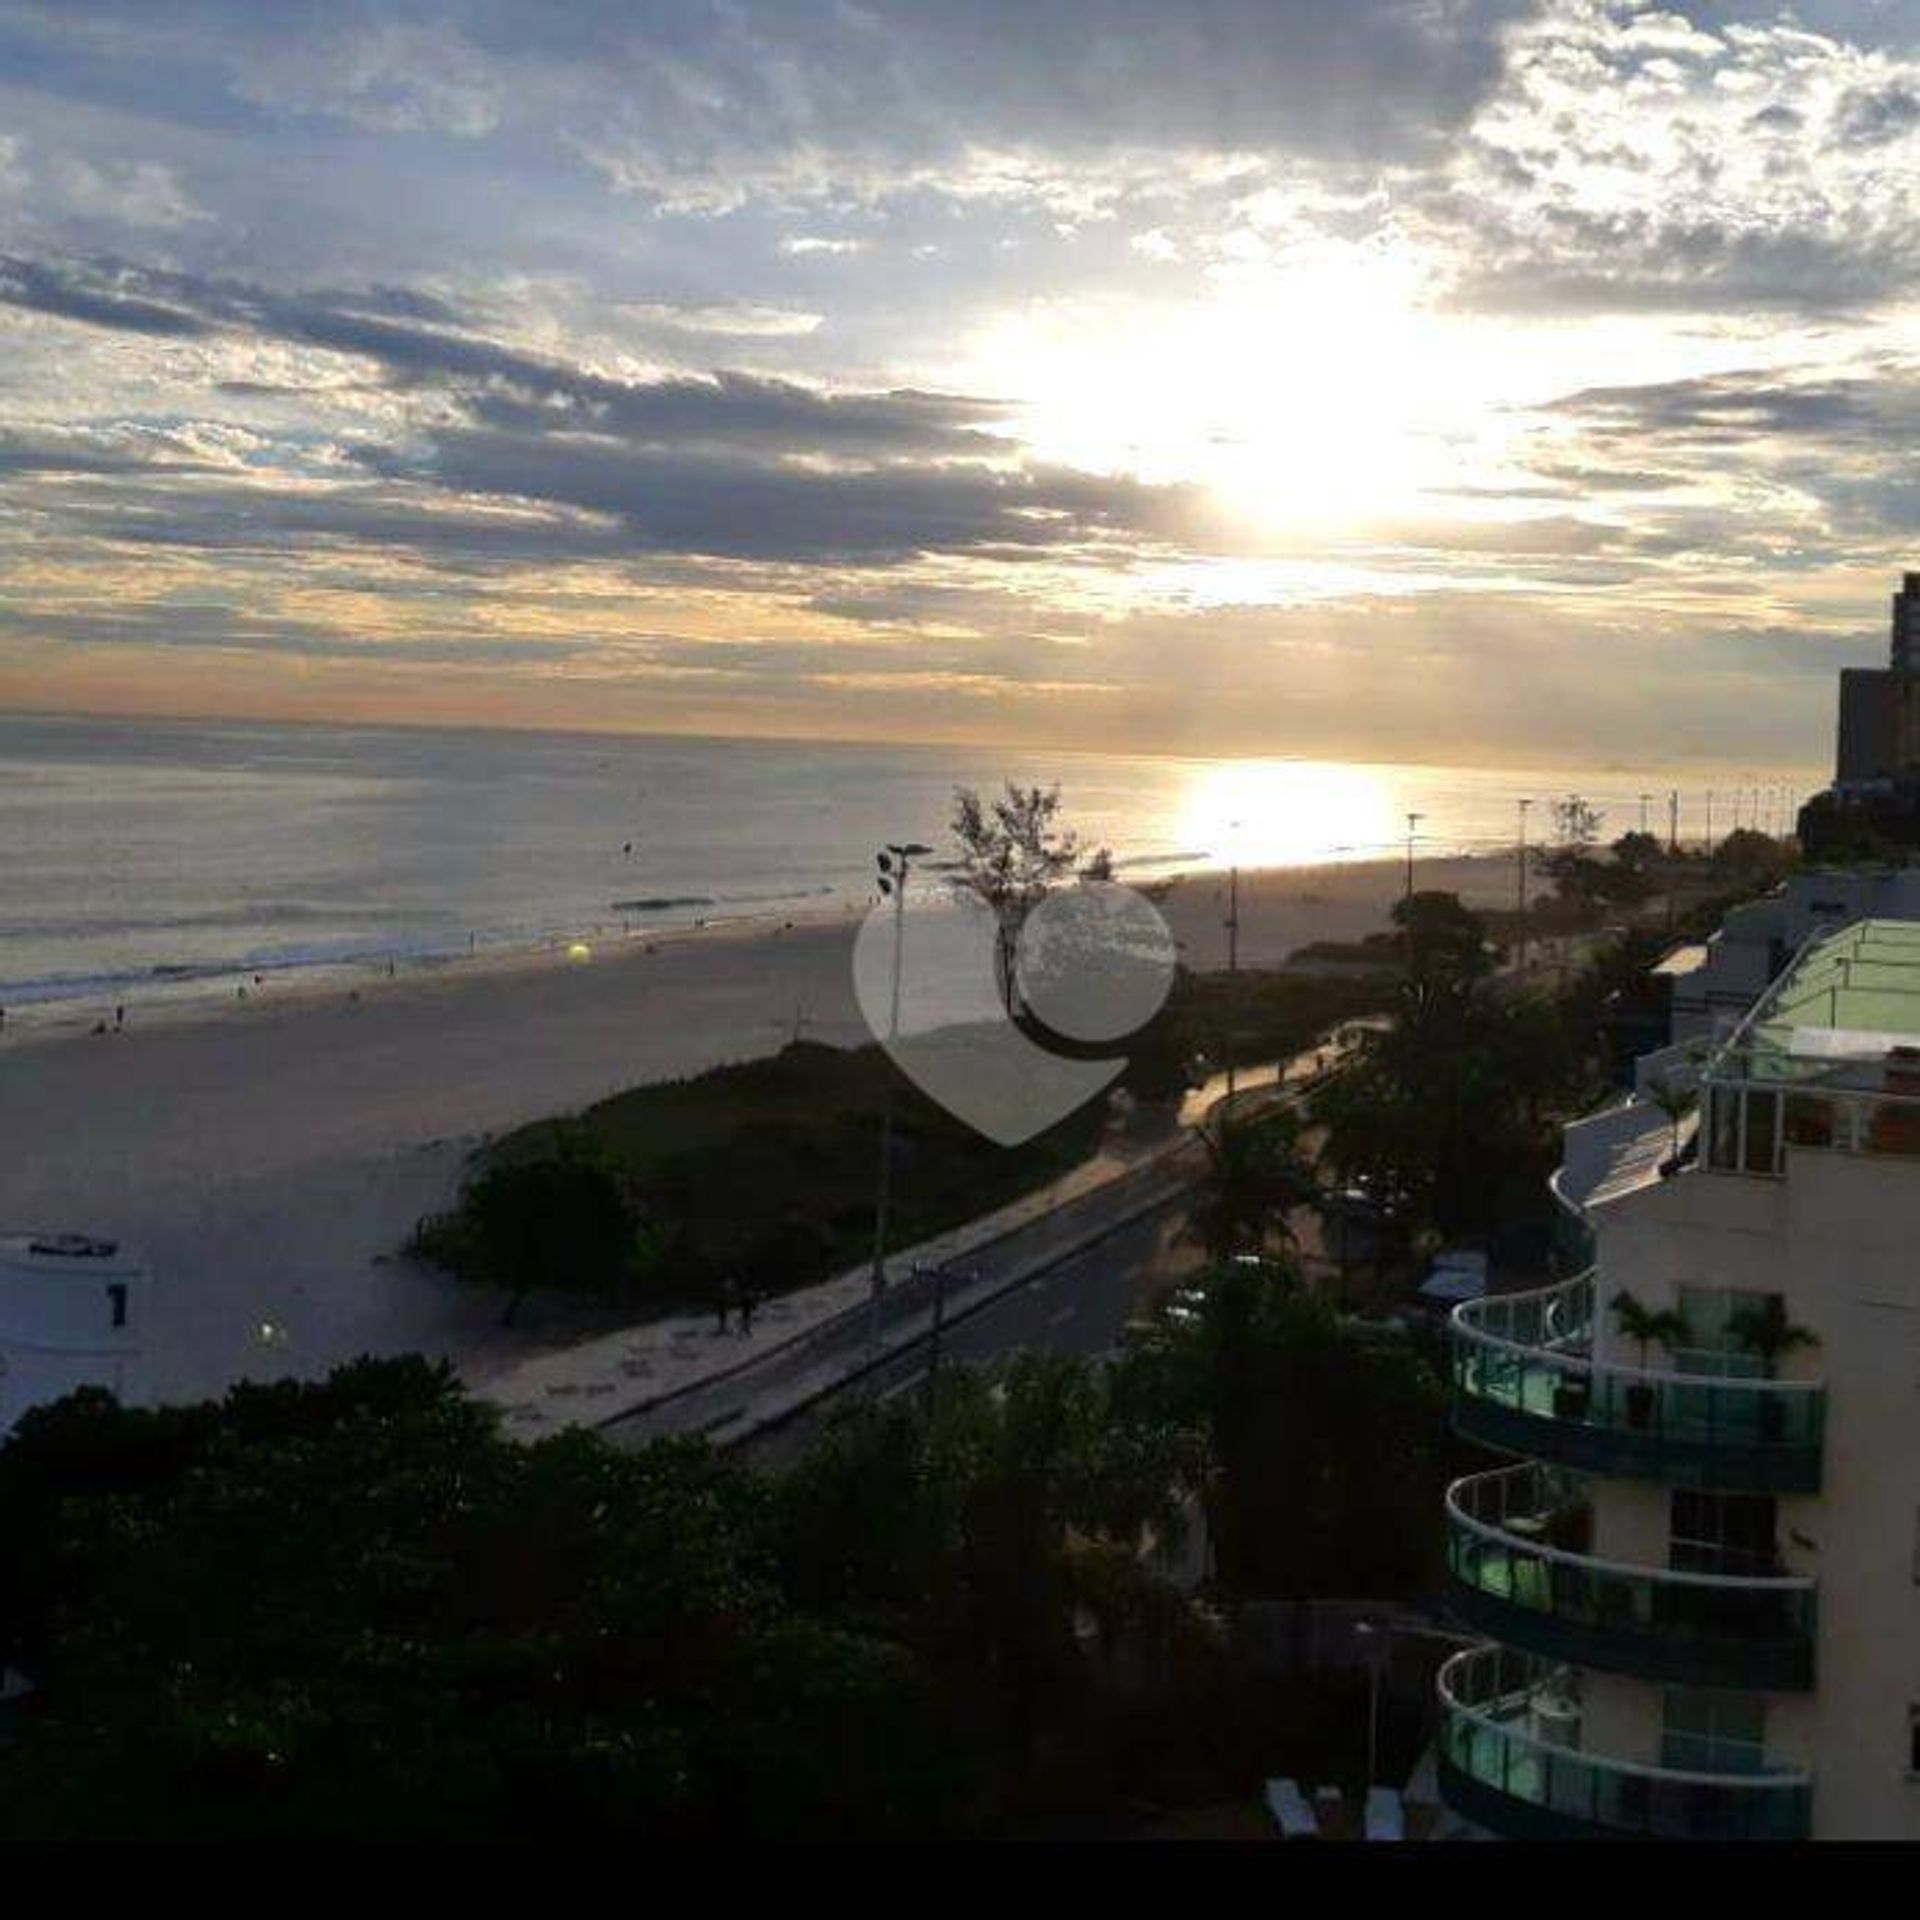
1645	1327
1258	1172
1767	1333
1676	1102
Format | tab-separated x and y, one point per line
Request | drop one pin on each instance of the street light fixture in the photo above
895	864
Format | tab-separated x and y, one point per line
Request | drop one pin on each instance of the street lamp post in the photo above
895	862
1379	1636
1413	820
1520	885
1233	963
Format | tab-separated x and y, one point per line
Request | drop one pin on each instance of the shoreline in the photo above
269	1159
301	987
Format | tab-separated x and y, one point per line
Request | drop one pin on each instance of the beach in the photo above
270	1156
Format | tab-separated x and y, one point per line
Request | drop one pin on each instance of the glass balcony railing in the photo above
1524	1382
1510	1762
1516	1550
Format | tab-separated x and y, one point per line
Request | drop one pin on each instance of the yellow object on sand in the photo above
579	951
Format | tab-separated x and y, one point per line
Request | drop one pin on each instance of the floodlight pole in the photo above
1520	887
895	862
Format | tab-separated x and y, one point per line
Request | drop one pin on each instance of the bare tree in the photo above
1013	852
1576	825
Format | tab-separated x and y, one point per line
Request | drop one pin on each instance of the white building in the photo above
1701	1581
73	1313
1712	993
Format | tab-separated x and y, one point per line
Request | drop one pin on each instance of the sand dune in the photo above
270	1156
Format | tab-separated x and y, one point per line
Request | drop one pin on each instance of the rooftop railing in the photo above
1524	1381
1507	1764
1517	1552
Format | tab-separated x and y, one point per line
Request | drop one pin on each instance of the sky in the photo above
1481	381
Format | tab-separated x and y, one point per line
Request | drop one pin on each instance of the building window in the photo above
1728	1533
1809	1120
1762	1142
1723	1150
1710	1346
1709	1731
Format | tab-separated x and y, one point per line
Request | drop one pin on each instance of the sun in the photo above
1276	813
1311	393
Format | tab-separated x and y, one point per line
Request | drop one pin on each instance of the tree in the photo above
1767	1333
1675	1101
351	1609
1258	1172
977	1524
1445	942
560	1221
1326	1454
1576	825
1013	853
1645	1326
1637	853
1453	1087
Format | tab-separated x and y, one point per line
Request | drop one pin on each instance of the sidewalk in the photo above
621	1375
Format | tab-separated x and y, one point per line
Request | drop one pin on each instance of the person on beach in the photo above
748	1301
723	1304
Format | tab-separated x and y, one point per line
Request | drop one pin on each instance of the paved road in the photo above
1067	1282
1079	1307
820	1362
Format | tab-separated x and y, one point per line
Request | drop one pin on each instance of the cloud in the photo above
98	299
742	322
1618	170
142	194
1873	116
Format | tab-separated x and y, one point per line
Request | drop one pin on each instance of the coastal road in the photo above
1080	1307
1077	1303
1066	1282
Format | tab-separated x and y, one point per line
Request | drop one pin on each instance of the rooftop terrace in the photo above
1849	999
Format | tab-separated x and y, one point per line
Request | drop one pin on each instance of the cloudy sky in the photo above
1479	380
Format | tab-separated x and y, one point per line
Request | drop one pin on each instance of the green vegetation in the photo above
1765	1332
761	1173
1258	1173
1646	1327
351	1608
1446	1114
1273	1015
1013	853
1326	1452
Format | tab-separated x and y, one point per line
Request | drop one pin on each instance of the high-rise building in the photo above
1906	625
1879	735
1700	1577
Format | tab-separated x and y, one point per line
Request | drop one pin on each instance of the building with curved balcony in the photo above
1698	1573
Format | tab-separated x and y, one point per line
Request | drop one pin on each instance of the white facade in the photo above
1705	1582
73	1313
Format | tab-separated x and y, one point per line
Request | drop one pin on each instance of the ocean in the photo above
145	860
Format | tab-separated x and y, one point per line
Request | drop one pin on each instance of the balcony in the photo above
1524	1382
1516	1552
1510	1762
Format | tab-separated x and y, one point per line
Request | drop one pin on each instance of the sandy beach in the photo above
270	1156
